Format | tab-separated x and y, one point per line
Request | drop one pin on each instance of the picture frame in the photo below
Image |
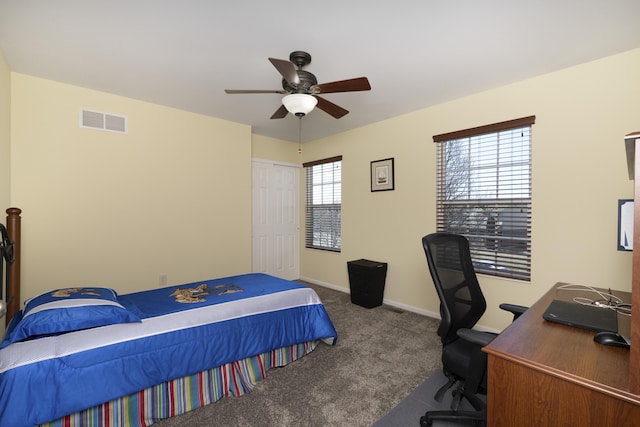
382	175
625	224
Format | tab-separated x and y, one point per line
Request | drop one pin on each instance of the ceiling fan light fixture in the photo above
299	104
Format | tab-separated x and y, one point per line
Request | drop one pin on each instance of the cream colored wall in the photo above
266	148
172	196
579	173
5	136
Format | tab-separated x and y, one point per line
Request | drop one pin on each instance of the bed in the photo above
88	356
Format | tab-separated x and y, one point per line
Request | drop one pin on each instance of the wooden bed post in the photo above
13	228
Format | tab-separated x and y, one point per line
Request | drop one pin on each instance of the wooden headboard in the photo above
13	229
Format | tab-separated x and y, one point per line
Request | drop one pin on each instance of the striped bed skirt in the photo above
185	394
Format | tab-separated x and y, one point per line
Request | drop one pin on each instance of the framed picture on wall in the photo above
382	178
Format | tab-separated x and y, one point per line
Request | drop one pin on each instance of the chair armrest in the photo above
516	310
476	337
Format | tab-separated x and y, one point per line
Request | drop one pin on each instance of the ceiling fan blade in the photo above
331	108
280	113
234	91
349	85
287	69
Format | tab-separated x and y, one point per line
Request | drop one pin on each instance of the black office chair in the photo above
462	304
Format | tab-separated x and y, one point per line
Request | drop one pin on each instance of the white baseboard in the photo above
325	284
392	303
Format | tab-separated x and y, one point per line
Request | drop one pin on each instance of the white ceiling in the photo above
416	53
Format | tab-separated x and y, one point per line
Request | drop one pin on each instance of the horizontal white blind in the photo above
484	193
324	204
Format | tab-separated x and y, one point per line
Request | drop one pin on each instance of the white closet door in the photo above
276	228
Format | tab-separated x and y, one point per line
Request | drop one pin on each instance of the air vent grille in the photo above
103	121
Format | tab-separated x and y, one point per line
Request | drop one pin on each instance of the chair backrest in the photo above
461	300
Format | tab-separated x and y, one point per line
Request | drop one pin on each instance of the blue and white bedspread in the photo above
226	320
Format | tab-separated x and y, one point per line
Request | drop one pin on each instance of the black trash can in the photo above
366	280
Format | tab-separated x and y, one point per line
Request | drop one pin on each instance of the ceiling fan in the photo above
302	88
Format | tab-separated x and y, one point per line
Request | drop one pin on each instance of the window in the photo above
324	204
484	193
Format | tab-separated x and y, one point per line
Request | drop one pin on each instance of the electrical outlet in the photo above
163	280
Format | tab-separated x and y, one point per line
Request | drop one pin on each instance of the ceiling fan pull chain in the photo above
299	135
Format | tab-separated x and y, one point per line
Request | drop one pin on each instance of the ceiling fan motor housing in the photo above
307	80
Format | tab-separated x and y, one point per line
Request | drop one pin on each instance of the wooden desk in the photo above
546	374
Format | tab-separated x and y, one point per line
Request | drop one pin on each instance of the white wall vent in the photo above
103	121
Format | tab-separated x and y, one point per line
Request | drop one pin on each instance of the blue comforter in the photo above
238	317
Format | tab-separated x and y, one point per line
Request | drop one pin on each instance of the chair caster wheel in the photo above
425	422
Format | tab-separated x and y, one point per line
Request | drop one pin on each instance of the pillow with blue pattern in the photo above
68	310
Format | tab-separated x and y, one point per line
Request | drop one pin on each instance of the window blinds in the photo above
484	193
323	204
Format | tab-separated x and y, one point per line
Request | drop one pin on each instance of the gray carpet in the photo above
381	356
408	412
